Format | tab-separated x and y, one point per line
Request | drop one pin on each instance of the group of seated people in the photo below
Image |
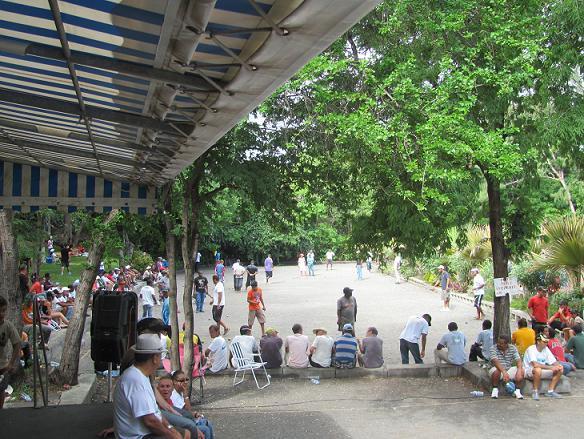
527	354
146	406
118	279
346	351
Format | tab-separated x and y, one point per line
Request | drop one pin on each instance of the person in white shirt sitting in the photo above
248	344
321	349
539	362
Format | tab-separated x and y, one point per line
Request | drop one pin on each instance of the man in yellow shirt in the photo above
523	337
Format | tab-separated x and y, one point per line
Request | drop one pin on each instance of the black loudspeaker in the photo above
113	325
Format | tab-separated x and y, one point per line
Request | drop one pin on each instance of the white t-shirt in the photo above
219	355
219	288
477	281
329	255
543	357
147	293
415	327
324	347
198	257
297	345
248	344
133	398
397	262
177	399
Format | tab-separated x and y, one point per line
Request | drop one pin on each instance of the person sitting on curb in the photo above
345	349
523	337
503	356
556	348
539	362
454	341
271	349
296	348
184	419
182	402
371	348
575	346
321	350
482	347
216	354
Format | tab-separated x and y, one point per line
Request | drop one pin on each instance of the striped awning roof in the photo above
136	90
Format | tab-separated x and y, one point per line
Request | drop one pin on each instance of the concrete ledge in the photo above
82	392
360	372
563	386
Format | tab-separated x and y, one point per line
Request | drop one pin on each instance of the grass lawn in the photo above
76	264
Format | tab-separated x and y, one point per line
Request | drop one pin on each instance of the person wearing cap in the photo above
454	341
506	366
371	349
321	350
444	282
345	349
416	329
256	306
555	346
538	307
271	349
296	348
478	288
248	344
136	413
346	309
539	363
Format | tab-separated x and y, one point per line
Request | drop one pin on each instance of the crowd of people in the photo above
528	354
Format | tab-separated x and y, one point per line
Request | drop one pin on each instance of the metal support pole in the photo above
248	66
279	30
109	382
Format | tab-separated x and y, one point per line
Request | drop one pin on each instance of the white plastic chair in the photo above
243	365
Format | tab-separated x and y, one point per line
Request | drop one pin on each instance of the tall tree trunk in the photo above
38	253
500	256
172	294
69	367
68	232
188	241
9	268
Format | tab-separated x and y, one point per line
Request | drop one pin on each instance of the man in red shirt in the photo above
556	348
256	307
537	307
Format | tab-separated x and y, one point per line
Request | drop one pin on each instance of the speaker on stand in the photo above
113	328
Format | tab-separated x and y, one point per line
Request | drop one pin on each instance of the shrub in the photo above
140	260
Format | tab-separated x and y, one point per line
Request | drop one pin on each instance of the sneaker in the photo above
518	394
535	395
495	393
552	394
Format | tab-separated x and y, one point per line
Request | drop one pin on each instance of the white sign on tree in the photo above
507	285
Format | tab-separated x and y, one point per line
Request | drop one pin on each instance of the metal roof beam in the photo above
120	117
137	70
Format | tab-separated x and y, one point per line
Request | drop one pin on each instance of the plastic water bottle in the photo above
314	379
477	394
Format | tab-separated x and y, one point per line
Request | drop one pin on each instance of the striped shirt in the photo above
345	348
507	358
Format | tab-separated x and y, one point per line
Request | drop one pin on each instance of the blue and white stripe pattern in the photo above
25	188
166	35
